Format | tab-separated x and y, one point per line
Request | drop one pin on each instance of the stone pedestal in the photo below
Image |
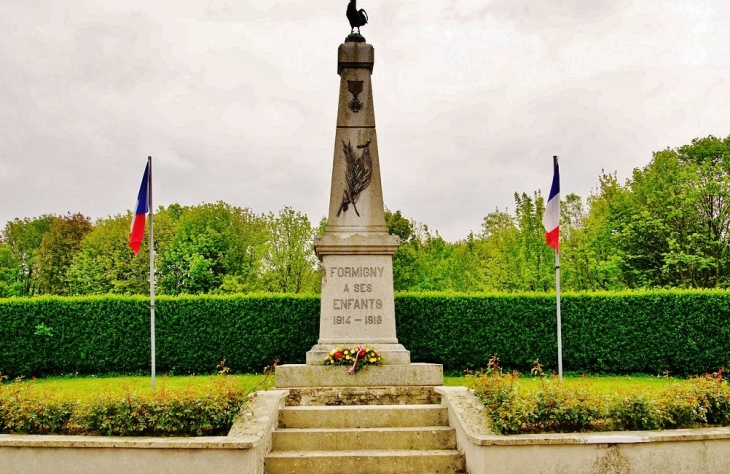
356	250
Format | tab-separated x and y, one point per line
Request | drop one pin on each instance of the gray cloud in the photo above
236	100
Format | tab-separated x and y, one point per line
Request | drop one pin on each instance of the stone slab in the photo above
368	242
363	416
300	375
338	396
401	461
357	300
392	354
343	439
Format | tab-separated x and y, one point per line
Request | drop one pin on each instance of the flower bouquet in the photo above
358	357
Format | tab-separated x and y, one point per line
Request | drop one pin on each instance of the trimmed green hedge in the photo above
193	334
684	332
27	408
569	408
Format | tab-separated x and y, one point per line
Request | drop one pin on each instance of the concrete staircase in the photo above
332	431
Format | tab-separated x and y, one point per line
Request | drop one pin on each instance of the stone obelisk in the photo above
356	250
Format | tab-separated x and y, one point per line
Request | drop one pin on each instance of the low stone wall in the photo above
667	452
241	452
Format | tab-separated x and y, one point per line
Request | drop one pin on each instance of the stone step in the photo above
370	462
347	439
369	416
410	375
362	396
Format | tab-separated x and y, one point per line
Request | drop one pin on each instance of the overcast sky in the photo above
236	100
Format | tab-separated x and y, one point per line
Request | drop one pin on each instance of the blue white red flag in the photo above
136	232
551	219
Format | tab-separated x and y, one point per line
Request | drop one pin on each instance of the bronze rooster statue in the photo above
357	18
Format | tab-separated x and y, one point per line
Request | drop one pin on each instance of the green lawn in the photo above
609	385
83	388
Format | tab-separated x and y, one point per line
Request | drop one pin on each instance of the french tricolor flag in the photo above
551	219
136	232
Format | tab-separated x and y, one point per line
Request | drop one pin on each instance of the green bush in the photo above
567	409
25	409
683	332
111	334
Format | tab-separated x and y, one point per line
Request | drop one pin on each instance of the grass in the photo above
607	385
196	405
88	388
85	388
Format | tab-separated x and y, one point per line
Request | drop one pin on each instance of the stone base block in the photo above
358	396
393	354
300	375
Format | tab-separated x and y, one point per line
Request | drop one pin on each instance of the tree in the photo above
57	250
535	258
247	236
572	239
215	247
10	284
708	160
106	264
289	264
23	239
406	256
499	251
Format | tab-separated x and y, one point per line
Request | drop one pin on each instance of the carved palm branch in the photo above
358	171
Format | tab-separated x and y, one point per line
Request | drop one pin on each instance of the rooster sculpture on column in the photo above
357	17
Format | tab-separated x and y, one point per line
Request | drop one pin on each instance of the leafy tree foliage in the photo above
214	247
289	262
59	246
9	284
671	224
666	226
23	239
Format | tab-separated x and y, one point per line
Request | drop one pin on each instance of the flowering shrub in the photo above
29	408
26	409
704	401
358	357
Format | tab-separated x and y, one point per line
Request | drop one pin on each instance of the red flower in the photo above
338	355
361	352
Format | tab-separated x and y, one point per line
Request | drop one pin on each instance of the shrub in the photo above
650	332
25	409
557	408
110	334
682	332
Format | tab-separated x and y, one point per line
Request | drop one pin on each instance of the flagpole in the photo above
557	293
152	272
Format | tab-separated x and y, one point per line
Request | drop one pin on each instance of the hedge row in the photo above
28	409
683	332
111	334
569	408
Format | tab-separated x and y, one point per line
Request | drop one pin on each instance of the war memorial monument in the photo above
356	250
385	417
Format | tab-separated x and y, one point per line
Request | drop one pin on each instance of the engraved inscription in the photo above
355	301
357	272
369	320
